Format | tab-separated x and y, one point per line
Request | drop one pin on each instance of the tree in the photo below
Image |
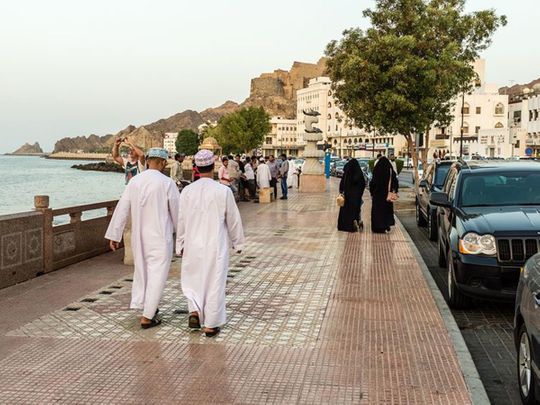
242	130
402	75
187	142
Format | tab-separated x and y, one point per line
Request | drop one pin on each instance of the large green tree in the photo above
242	130
187	142
403	74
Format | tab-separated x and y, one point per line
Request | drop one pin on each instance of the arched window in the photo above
329	116
499	109
466	109
329	92
335	141
329	104
350	141
336	115
355	140
465	128
499	125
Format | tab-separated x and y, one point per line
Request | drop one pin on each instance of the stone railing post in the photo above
41	203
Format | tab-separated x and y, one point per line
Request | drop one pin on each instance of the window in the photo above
476	130
499	109
329	104
337	115
465	128
337	128
478	110
329	116
329	93
466	109
499	125
269	140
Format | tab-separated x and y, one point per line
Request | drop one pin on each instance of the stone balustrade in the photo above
31	245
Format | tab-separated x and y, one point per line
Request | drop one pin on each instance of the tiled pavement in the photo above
487	328
315	316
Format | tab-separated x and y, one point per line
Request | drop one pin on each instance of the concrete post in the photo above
41	203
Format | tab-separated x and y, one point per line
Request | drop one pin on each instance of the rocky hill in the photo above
275	91
28	149
518	88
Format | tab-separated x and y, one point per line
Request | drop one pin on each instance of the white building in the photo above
169	142
344	138
283	138
484	116
524	117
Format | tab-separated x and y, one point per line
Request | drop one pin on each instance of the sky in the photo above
71	68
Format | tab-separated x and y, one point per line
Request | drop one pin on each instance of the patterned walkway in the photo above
315	316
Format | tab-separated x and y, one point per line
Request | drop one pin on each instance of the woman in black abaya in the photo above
382	211
352	187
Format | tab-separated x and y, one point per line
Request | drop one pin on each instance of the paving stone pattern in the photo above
487	327
315	316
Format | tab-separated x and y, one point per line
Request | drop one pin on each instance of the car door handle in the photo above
536	298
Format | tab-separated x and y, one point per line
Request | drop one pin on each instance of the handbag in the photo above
392	196
340	200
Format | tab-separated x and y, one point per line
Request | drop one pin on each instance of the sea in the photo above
23	177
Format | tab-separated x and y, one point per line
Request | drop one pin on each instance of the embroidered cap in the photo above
158	153
204	158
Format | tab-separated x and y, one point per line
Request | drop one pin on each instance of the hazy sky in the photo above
71	68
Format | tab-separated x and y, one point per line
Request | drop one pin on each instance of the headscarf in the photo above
353	175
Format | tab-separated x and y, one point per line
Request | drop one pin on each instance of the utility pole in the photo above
461	129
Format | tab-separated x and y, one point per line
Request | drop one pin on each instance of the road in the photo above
487	328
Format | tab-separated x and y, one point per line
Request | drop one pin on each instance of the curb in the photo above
476	389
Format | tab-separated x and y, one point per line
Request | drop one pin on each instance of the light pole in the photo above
461	129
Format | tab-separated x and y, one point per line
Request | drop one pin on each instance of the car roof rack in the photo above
464	162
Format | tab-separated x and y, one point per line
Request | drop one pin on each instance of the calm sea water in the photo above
21	178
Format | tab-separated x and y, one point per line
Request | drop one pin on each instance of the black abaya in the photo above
352	186
382	211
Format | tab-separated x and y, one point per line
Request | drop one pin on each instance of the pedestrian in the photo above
249	169
283	173
177	173
151	199
383	182
195	172
134	163
242	182
223	172
208	218
377	160
274	172
292	177
351	186
264	178
234	174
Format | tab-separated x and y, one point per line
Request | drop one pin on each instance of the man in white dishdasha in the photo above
208	218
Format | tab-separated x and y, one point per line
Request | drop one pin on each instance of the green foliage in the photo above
243	130
401	75
187	142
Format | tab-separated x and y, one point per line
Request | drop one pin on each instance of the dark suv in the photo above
432	181
489	225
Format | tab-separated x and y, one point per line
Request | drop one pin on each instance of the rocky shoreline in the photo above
100	167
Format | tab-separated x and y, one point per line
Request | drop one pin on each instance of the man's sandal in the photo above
213	332
194	322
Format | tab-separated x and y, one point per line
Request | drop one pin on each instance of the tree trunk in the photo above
425	150
412	151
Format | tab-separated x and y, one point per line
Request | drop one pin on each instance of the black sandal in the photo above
155	321
194	322
213	333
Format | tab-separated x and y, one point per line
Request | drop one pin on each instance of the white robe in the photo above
207	219
292	177
263	175
153	200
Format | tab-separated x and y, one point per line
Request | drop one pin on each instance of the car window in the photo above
440	175
500	189
449	181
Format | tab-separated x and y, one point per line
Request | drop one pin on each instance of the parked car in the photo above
339	166
489	225
527	330
364	165
432	181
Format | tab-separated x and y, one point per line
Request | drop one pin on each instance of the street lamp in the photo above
461	129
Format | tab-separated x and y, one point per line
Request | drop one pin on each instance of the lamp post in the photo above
461	129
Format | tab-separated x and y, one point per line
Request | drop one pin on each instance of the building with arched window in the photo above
338	130
483	112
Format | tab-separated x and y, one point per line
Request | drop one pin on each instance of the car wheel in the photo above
420	220
442	257
432	225
526	377
456	299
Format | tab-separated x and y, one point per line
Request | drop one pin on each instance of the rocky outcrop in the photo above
276	91
27	149
100	167
517	89
86	144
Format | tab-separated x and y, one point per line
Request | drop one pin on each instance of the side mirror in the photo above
440	200
423	184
